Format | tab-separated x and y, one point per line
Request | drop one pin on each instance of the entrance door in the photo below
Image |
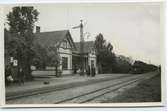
92	63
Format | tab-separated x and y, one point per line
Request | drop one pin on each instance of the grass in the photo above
146	91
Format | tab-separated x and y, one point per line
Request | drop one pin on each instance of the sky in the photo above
134	29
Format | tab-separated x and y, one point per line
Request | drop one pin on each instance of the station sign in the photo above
15	62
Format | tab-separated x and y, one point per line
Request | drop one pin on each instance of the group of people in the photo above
89	71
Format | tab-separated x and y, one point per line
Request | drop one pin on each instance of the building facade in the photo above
89	55
63	42
68	50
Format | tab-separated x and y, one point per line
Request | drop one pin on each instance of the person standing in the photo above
93	71
88	70
21	76
75	69
8	75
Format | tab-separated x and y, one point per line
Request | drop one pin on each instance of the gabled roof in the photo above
88	45
53	38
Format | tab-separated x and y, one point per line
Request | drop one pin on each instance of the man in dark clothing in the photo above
21	76
88	70
75	69
8	75
93	71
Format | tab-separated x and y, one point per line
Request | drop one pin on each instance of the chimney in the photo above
37	29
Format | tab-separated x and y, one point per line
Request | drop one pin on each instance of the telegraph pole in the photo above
81	46
81	38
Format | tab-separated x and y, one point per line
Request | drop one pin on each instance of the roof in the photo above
46	39
88	45
52	38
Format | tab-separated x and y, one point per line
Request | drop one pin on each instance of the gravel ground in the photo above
56	96
146	91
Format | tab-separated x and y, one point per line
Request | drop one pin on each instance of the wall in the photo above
66	53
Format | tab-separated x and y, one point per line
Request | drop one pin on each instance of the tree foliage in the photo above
53	57
40	58
46	56
122	64
21	23
105	56
107	60
21	20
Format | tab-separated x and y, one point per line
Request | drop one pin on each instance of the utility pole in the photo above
81	38
81	46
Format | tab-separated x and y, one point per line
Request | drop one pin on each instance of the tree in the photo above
99	46
122	64
99	42
40	59
21	23
53	59
21	20
105	56
109	47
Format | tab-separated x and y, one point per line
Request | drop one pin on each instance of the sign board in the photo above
11	59
15	63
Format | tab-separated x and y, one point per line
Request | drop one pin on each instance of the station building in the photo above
68	50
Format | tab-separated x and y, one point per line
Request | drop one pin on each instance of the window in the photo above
65	44
64	62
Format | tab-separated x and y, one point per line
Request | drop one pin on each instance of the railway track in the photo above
55	88
82	94
87	97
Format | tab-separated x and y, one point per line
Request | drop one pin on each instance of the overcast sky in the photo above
132	28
